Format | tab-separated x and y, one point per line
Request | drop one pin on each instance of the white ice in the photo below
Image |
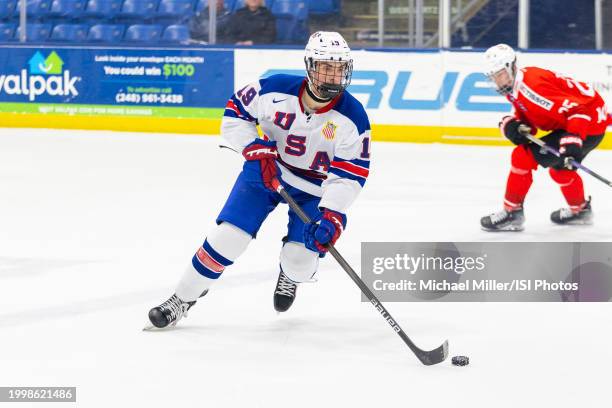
97	227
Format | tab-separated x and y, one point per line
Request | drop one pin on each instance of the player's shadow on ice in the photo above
329	334
11	267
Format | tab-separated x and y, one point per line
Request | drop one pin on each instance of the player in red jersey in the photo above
573	112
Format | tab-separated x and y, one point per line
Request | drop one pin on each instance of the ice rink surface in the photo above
97	227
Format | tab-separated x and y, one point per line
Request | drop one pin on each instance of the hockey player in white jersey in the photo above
316	142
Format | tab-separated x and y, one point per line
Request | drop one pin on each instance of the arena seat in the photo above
70	32
102	9
138	10
36	9
7	31
228	4
295	8
66	9
291	21
108	33
176	10
35	32
290	30
176	33
143	33
323	7
7	9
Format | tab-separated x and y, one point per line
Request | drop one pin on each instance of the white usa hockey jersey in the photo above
326	154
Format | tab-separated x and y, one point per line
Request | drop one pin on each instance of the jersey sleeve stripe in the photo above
352	168
348	175
358	162
579	116
235	109
232	107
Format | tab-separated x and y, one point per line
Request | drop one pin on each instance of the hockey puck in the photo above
460	360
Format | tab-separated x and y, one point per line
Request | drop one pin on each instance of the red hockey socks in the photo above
520	178
571	187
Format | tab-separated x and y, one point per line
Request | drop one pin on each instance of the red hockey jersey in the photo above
549	101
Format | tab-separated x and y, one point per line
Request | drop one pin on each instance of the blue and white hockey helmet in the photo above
329	65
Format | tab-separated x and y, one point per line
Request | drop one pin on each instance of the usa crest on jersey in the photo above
329	130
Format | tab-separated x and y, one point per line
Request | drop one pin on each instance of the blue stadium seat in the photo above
143	33
70	32
7	8
175	9
35	32
7	31
107	33
138	9
228	4
176	33
296	8
290	30
36	9
291	21
67	9
102	9
323	7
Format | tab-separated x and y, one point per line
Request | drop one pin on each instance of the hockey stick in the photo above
426	357
526	131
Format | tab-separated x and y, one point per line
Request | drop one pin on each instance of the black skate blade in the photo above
150	328
434	356
585	223
504	229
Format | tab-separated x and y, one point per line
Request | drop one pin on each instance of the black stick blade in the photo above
434	356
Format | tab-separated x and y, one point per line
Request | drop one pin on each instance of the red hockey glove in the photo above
326	231
264	152
570	147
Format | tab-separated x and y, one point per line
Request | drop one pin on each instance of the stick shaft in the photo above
574	163
437	355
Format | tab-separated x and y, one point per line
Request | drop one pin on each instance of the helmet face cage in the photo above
324	77
510	70
501	59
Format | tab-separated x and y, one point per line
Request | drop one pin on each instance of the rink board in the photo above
139	89
432	96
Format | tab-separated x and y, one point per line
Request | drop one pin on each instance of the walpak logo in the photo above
45	76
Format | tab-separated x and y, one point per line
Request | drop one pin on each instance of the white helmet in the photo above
497	58
328	46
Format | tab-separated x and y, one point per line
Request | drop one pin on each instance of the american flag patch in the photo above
329	130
